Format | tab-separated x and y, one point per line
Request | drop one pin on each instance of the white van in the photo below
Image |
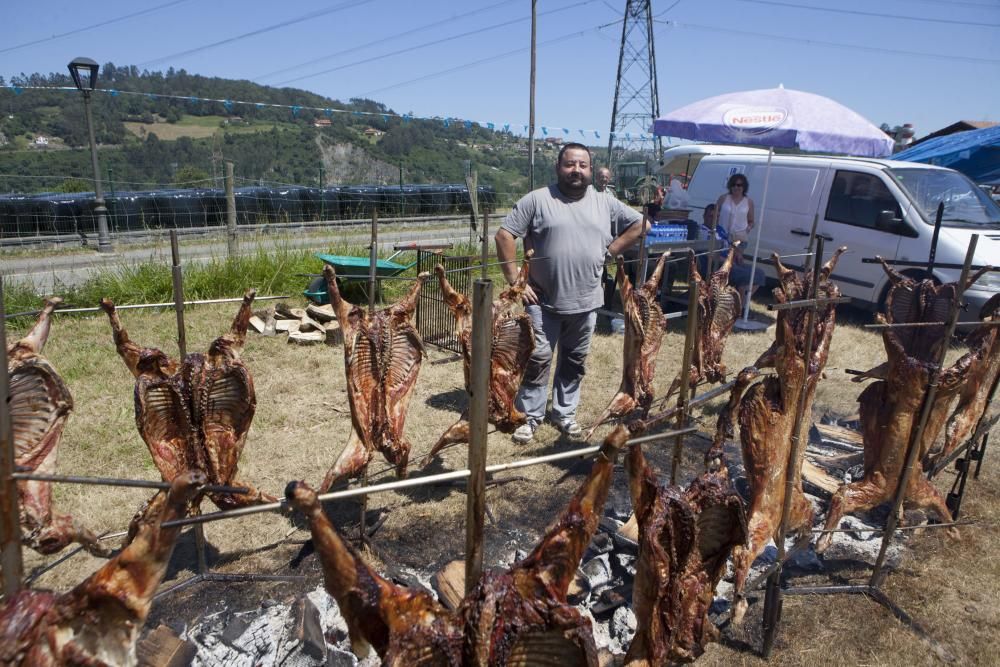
874	207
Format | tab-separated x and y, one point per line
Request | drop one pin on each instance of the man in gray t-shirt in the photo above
570	227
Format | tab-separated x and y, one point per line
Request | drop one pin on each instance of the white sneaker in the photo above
568	426
525	433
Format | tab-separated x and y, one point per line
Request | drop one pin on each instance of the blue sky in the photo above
470	60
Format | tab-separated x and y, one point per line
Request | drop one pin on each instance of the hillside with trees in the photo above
149	141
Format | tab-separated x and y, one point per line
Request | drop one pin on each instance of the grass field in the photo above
302	422
196	127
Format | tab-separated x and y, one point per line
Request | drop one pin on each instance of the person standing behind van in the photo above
734	210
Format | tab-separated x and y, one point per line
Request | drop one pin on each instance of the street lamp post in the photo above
84	73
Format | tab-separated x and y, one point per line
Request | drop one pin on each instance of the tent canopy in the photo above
975	153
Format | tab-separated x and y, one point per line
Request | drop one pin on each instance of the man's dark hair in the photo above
574	145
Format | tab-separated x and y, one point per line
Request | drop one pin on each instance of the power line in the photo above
435	42
817	42
349	4
483	61
93	26
383	39
895	17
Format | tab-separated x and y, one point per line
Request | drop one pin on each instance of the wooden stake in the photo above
178	276
479	388
682	397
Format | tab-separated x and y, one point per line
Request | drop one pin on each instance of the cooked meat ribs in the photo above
98	622
644	329
719	305
382	356
767	416
684	542
890	408
515	617
405	627
39	405
195	414
972	398
521	616
512	344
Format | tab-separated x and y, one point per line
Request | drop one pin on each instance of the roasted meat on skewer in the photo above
685	538
975	393
97	623
405	627
39	405
767	416
382	356
512	344
194	414
515	617
521	616
644	329
719	305
890	408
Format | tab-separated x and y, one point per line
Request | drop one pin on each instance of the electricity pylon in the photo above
637	102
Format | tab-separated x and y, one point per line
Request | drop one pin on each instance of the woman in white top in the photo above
734	210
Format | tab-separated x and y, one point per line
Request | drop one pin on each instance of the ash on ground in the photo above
310	631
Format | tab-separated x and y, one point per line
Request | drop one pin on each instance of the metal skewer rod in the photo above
805	303
165	304
10	515
912	325
773	602
372	272
116	481
913	447
422	481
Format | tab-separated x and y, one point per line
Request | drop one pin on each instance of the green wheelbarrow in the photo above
355	270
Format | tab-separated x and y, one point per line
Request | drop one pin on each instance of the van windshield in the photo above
965	205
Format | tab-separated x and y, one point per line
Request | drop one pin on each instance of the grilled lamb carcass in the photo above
513	341
521	616
98	622
39	405
405	627
719	305
644	329
685	539
890	408
516	617
383	352
767	416
983	374
194	414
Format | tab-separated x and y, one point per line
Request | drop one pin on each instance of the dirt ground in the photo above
302	422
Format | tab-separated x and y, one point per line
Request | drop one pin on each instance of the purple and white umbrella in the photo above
776	118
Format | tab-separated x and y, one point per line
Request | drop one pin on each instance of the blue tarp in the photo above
975	153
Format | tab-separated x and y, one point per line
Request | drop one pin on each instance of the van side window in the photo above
858	199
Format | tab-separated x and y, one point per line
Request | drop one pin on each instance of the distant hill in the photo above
147	141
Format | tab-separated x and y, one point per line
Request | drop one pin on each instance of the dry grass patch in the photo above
302	423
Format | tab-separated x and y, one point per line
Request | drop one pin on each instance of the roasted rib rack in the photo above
39	405
382	356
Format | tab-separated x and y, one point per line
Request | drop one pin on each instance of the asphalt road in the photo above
45	272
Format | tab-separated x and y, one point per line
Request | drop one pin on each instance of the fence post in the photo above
230	211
